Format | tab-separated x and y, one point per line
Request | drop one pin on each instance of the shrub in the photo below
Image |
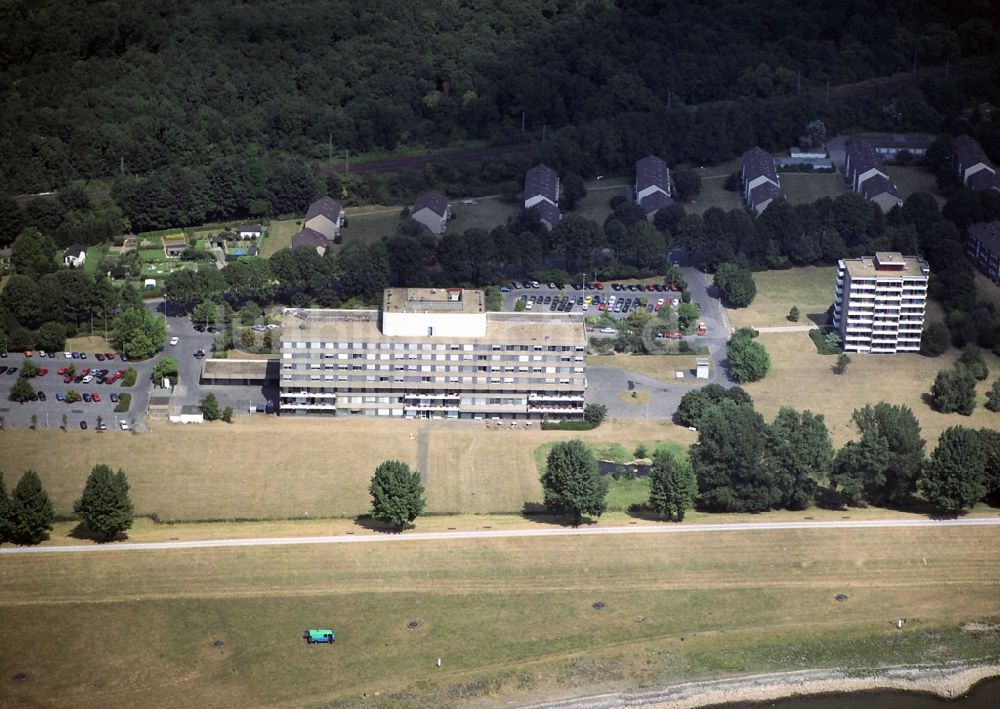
124	402
129	378
574	425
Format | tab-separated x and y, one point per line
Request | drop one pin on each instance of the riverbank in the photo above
946	682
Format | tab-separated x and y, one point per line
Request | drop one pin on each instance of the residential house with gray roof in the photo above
974	169
326	216
760	179
541	192
867	175
982	245
432	210
652	185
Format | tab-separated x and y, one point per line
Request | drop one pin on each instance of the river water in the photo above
985	695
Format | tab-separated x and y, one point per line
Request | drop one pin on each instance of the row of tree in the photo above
27	515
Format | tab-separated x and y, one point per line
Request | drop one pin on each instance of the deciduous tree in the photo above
139	333
397	494
105	505
800	455
952	478
31	513
210	407
673	486
954	390
571	483
736	285
22	390
748	359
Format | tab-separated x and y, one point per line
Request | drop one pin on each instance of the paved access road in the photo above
509	534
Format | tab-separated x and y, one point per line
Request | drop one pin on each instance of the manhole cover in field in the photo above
21	676
600	605
218	643
641	619
413	625
841	597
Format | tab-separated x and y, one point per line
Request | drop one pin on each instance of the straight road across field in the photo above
512	533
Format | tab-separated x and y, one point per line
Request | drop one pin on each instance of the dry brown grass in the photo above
473	469
258	467
88	344
803	379
136	629
661	367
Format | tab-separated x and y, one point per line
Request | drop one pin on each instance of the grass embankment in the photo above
510	618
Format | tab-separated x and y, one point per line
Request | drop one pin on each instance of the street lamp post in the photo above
584	280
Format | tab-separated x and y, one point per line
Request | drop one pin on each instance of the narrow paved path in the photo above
540	531
785	328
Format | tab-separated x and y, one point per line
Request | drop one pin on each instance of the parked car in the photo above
75	355
83	355
34	396
114	398
109	355
99	356
11	370
199	354
123	357
83	425
59	396
42	372
124	424
41	396
87	397
3	369
174	340
96	397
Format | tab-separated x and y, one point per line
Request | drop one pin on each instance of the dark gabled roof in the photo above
765	191
758	162
862	156
434	201
874	186
325	206
548	213
541	180
655	201
968	151
651	171
74	250
310	237
250	227
983	180
987	234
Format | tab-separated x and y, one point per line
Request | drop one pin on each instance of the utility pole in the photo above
121	165
347	170
522	121
329	144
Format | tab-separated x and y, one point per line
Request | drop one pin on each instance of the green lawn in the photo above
806	188
368	224
912	179
595	205
279	236
487	213
810	289
714	194
95	258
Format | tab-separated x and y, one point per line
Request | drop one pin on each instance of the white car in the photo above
88	379
174	340
124	425
68	355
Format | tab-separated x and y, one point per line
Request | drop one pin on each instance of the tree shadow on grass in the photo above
819	319
374	525
82	531
536	512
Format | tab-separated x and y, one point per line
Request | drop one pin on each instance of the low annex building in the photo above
321	226
433	353
974	169
879	303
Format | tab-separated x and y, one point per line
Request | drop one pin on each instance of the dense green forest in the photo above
92	89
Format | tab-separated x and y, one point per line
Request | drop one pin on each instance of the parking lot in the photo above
53	387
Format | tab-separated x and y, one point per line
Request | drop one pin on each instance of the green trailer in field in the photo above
322	635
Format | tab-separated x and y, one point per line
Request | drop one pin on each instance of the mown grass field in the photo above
661	367
803	379
595	206
264	468
810	289
511	619
807	187
279	236
487	213
911	178
370	223
714	194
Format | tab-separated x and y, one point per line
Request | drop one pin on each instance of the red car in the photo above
67	379
62	371
650	287
119	374
42	372
95	396
85	372
109	355
676	336
599	286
